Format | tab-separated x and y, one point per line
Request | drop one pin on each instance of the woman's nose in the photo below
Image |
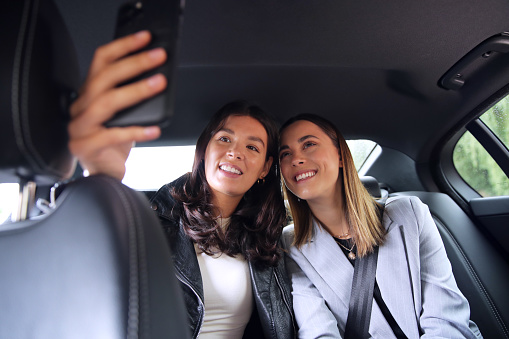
234	153
297	160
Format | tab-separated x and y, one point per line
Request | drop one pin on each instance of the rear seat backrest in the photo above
372	186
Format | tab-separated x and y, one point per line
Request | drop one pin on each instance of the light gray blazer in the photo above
413	273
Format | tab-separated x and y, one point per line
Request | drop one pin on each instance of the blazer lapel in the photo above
336	273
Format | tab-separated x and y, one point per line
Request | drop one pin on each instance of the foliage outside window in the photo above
474	163
497	119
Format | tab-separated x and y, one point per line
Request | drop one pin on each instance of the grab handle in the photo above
453	78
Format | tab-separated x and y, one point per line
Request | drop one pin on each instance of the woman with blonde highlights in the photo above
360	211
337	222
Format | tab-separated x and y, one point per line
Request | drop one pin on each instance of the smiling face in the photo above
310	162
235	158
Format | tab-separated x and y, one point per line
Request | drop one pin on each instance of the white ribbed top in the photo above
227	292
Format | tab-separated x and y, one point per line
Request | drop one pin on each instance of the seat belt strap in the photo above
363	284
361	299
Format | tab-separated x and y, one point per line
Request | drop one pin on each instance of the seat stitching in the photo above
133	299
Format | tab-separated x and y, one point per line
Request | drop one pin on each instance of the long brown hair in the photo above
362	211
256	224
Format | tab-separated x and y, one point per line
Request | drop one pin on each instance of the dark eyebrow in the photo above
306	137
256	139
302	139
252	138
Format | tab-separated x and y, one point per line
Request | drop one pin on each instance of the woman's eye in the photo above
309	144
283	155
253	148
224	139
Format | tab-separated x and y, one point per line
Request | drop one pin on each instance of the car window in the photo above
148	168
474	164
8	200
497	119
361	151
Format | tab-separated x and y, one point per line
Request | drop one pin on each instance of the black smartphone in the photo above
163	18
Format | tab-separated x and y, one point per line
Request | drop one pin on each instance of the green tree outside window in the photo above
474	163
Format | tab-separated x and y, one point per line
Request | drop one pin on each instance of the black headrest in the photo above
39	71
372	186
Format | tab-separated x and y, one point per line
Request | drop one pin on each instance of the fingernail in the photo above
142	34
157	53
151	131
155	81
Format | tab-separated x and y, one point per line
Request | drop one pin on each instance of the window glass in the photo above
361	150
8	201
497	119
478	168
148	168
474	163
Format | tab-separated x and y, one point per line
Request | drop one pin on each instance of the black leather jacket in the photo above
273	317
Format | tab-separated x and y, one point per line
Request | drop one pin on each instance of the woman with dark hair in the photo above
336	222
223	220
261	210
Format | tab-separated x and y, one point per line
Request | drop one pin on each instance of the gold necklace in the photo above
351	255
340	236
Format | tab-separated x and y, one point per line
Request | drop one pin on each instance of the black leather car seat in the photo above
96	263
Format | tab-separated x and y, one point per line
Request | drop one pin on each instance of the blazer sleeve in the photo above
445	312
313	316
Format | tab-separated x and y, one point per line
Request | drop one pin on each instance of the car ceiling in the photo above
372	67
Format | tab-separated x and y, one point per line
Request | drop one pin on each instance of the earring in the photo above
262	180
